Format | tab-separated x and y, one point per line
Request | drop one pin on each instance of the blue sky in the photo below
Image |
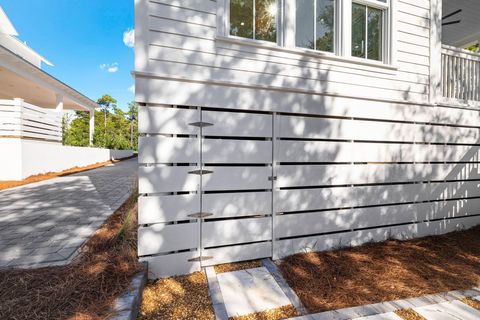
83	39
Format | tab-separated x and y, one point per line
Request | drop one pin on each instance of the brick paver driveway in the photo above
45	223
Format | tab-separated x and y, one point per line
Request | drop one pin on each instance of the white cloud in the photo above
129	38
132	88
112	68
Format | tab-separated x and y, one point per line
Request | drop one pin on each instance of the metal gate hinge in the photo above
200	259
200	172
272	178
200	215
201	124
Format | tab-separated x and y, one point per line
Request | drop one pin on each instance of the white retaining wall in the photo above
21	158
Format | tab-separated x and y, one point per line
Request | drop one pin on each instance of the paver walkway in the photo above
45	223
259	289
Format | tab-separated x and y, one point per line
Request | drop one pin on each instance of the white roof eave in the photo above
60	87
6	25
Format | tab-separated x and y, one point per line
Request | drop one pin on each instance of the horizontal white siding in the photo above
180	42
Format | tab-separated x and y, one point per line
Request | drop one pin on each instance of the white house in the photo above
272	127
31	108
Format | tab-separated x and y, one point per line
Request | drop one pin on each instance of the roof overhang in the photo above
21	79
6	25
468	30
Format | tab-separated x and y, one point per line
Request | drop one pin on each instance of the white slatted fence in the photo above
24	120
277	184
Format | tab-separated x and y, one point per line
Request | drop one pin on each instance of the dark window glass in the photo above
367	25
241	18
254	19
315	24
375	23
325	25
266	20
305	28
358	30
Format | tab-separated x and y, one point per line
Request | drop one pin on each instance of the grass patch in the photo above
84	289
385	271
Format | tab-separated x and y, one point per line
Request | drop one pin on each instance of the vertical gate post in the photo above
200	187
435	51
274	182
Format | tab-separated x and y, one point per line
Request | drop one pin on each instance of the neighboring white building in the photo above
32	103
272	127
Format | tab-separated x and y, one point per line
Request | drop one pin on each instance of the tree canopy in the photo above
114	128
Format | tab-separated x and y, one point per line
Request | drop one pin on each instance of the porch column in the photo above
435	51
91	126
59	104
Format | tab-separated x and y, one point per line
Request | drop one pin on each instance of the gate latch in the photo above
201	124
200	172
200	215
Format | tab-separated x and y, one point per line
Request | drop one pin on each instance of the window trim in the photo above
286	32
387	28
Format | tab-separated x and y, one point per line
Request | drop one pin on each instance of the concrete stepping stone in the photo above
452	310
250	291
383	316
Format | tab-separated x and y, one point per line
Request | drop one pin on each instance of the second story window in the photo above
350	29
368	31
254	19
315	24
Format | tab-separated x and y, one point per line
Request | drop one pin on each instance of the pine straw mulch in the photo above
385	271
187	297
284	312
472	303
409	314
50	175
229	267
84	289
181	297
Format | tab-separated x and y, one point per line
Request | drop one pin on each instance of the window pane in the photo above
241	18
304	27
375	23
358	30
265	20
325	25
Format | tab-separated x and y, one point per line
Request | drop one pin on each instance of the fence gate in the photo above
236	151
205	180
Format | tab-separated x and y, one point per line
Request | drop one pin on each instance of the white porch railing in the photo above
460	75
23	120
